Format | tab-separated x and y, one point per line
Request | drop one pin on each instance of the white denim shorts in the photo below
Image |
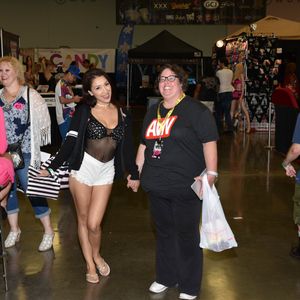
94	172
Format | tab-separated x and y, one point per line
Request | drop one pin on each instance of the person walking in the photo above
27	122
98	148
178	142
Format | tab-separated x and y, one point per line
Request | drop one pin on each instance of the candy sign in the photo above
100	58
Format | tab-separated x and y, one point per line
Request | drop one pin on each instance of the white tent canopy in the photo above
283	29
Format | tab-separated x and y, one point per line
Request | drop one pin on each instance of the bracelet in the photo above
51	172
212	173
285	165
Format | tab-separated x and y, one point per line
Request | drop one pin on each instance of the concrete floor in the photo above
256	197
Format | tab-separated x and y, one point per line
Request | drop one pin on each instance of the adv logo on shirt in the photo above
155	130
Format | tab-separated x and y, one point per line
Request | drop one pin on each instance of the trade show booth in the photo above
145	59
266	44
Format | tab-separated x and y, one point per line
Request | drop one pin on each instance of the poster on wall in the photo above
189	12
100	58
10	44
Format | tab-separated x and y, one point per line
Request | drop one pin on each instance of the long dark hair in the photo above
87	81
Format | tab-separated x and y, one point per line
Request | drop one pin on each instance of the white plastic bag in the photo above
215	233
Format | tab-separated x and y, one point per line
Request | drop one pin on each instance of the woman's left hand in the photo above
211	179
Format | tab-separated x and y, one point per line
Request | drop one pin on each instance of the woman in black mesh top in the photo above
98	148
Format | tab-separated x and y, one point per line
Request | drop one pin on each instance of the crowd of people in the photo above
223	90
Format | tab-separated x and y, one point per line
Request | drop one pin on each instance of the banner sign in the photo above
124	44
189	11
100	58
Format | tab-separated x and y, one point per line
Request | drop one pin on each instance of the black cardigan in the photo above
72	150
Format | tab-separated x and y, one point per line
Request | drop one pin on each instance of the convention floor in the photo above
256	196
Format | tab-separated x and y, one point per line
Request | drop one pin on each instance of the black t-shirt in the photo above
209	89
51	82
182	158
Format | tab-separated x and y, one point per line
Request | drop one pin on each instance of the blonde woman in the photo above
27	121
238	82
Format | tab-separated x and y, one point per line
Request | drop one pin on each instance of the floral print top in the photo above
15	115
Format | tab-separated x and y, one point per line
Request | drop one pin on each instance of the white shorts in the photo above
94	172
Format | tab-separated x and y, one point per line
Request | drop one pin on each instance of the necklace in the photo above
103	105
11	96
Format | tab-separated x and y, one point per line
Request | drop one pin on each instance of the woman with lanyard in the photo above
178	142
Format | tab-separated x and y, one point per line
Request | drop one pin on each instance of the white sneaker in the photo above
157	288
186	296
12	238
47	242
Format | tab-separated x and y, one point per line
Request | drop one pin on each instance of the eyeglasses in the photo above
170	78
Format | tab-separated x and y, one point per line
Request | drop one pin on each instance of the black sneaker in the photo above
295	252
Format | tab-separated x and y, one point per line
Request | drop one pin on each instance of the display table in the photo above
286	112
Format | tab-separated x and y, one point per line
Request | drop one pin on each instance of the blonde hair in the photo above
239	70
16	65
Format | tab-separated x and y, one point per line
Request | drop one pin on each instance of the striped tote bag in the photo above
39	186
62	173
48	187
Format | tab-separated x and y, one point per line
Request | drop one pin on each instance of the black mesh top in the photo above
101	142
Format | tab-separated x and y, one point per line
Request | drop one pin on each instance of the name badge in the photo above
157	148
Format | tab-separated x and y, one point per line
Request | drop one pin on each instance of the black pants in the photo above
178	256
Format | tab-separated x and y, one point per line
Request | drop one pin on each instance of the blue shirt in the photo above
15	114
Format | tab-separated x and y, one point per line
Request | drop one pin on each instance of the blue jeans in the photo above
222	108
39	205
64	128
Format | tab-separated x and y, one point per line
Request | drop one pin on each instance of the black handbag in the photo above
15	149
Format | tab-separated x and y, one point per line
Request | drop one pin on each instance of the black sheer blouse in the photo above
102	142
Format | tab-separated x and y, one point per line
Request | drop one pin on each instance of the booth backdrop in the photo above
161	49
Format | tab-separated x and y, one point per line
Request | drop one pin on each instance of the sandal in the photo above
104	270
47	242
92	278
12	238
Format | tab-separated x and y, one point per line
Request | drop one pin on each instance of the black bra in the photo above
96	130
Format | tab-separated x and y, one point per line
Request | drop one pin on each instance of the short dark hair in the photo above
224	60
87	81
180	73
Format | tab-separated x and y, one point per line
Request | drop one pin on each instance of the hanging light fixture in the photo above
220	43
